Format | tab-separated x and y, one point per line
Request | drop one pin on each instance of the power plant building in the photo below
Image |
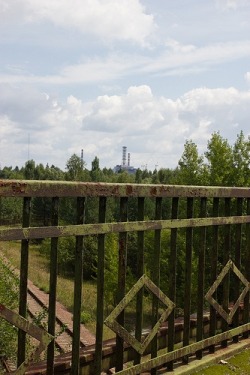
125	166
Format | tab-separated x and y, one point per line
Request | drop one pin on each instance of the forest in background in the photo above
221	164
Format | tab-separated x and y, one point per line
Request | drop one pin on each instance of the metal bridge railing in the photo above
206	264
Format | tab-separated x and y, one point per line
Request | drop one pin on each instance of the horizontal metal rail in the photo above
11	234
23	188
179	353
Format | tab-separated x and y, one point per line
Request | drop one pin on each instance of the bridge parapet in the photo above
203	262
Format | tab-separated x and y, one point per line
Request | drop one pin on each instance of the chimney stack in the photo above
124	155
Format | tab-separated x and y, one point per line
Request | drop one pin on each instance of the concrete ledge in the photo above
211	359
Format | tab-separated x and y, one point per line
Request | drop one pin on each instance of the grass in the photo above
239	364
38	273
8	336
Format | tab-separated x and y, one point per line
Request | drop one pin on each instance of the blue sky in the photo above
101	74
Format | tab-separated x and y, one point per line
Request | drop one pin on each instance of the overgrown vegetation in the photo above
221	164
238	364
9	298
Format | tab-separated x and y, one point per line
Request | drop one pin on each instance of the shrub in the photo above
9	298
66	255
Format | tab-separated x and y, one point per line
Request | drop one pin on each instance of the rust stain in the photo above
153	191
129	189
115	191
18	187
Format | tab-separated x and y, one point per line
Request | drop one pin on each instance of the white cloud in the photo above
107	19
175	59
177	47
153	128
247	77
231	4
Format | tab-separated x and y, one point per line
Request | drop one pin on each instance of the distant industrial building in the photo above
125	166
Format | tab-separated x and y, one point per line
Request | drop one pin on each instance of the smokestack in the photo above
124	154
128	159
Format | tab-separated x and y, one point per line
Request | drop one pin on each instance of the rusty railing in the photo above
195	261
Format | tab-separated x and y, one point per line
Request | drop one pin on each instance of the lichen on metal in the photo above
184	351
7	234
31	188
228	317
38	333
111	322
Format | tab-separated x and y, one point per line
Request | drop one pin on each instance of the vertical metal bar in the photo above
140	272
23	287
214	260
172	279
121	279
52	288
226	280
237	261
100	288
247	271
156	276
1	211
201	274
77	290
188	277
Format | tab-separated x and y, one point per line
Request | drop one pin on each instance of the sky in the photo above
97	75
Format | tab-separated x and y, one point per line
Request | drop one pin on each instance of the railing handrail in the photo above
48	188
207	224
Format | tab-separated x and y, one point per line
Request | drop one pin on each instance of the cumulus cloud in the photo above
153	128
112	20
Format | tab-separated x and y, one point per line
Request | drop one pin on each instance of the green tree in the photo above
10	173
219	155
96	173
108	174
66	255
166	176
190	165
29	170
138	176
125	177
75	166
39	173
10	210
241	161
53	173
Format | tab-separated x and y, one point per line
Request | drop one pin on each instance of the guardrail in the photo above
204	263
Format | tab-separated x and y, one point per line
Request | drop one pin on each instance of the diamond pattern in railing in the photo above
227	316
32	330
111	322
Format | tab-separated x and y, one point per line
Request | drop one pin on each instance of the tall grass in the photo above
8	333
38	273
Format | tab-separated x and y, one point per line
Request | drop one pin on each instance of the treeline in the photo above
221	164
